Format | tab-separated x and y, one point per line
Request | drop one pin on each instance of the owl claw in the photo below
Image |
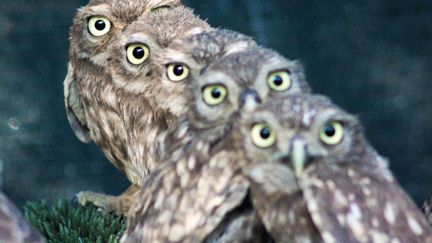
74	202
105	203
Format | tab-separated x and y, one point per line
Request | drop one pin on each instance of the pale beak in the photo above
249	100
298	156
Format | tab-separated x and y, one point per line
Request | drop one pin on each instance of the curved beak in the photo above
249	99
298	156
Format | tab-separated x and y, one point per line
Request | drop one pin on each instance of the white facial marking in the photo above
100	59
250	103
236	47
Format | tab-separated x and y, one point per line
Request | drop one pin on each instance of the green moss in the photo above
64	223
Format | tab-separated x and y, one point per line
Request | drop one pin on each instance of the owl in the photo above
200	194
135	100
155	87
314	177
96	28
152	94
13	227
427	209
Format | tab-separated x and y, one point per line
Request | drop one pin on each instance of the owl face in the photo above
240	81
300	130
98	25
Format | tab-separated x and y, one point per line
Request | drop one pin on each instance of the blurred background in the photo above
373	58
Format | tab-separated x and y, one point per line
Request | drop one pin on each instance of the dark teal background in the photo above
374	58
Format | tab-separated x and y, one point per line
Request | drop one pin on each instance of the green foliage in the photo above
68	224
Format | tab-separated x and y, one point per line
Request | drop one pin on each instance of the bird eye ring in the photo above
279	81
177	72
137	53
159	8
263	136
98	26
332	133
214	94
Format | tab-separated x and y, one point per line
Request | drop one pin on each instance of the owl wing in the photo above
279	203
427	208
13	227
185	201
74	107
349	204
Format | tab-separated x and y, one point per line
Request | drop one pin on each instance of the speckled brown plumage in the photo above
110	100
146	135
307	187
147	101
194	196
13	227
88	84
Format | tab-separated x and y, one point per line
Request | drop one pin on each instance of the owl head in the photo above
300	130
136	65
96	29
98	25
240	81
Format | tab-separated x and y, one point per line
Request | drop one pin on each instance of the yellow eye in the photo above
160	8
214	94
279	81
263	135
99	26
332	133
177	71
137	53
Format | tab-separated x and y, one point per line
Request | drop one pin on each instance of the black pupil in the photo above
178	70
329	131
138	52
216	93
100	25
278	80
265	133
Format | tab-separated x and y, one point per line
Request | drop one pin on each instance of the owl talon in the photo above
107	203
74	202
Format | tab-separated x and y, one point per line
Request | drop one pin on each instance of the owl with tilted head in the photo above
199	193
314	177
130	101
88	86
